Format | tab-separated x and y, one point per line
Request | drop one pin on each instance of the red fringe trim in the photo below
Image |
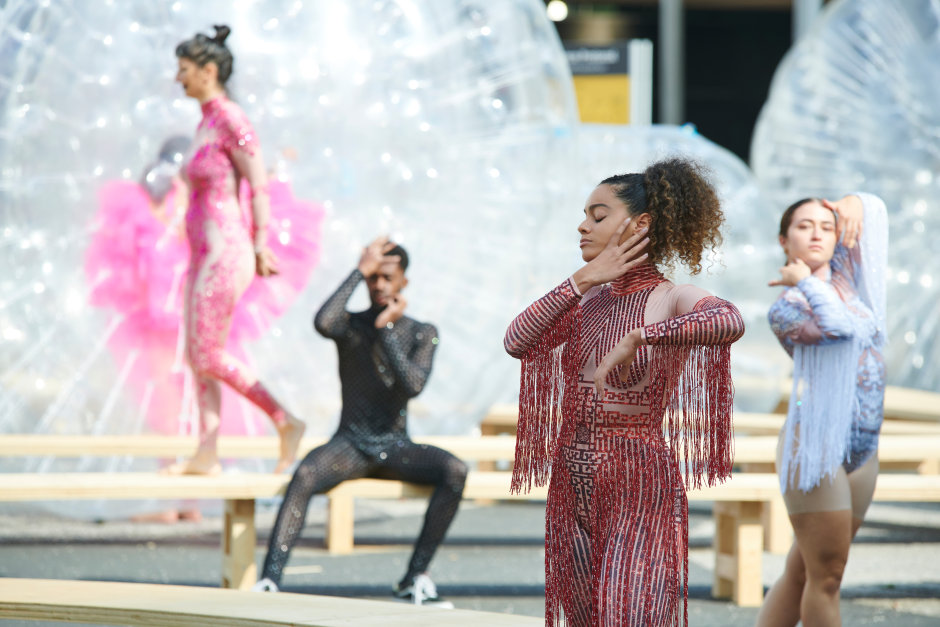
563	589
634	569
541	399
694	388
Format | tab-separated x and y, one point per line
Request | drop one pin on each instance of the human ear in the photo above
642	221
211	72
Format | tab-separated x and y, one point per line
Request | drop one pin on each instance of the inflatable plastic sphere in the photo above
445	124
853	107
748	258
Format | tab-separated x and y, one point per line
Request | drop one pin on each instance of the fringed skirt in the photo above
616	535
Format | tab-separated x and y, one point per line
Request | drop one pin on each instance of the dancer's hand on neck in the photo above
614	260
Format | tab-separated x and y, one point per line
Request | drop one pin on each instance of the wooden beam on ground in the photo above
155	605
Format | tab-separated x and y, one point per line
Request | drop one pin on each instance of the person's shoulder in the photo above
235	118
680	291
232	108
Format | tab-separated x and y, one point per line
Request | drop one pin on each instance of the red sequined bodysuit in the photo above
617	515
222	260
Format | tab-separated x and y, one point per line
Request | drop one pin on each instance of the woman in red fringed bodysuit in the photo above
626	396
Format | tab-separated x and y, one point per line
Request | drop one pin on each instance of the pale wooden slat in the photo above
261	447
900	403
892	448
67	486
102	485
770	424
155	605
910	404
756	448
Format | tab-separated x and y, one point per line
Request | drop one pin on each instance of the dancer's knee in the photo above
207	364
826	571
455	474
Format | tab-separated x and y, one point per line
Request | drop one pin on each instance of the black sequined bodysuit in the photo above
380	370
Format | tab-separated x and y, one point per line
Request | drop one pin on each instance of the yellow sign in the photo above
603	99
601	81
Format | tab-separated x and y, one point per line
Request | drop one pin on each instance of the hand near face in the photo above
795	271
373	256
393	312
265	262
851	214
623	355
614	260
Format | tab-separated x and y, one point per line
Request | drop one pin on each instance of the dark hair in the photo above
686	215
202	49
174	149
402	256
787	216
157	178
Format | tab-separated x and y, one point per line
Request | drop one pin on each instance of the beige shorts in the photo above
837	491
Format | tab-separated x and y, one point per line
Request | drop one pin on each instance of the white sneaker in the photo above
422	591
265	585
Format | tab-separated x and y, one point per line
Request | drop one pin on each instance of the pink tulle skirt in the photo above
136	268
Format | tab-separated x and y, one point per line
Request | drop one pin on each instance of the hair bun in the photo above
221	33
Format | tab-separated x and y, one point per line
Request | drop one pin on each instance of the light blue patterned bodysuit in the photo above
835	331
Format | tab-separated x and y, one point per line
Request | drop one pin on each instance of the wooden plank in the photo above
738	553
749	545
340	523
911	404
770	424
892	448
778	533
725	567
154	605
756	487
239	537
901	403
909	488
102	485
470	448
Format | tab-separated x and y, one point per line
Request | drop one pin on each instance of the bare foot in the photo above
192	515
202	463
291	433
167	517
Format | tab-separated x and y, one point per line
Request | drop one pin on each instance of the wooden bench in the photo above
770	424
901	403
911	441
503	417
737	509
739	528
741	541
732	510
917	453
119	603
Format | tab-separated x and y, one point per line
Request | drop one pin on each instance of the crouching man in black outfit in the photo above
384	360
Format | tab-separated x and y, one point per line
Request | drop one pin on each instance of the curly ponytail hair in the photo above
202	49
684	208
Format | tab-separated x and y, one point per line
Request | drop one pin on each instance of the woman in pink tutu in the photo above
136	265
226	249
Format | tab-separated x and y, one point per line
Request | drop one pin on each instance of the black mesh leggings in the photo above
339	460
